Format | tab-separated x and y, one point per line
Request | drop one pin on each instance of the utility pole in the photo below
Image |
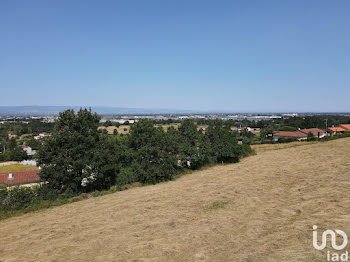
326	127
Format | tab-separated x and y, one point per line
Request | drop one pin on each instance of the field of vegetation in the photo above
268	147
261	209
122	129
15	168
78	159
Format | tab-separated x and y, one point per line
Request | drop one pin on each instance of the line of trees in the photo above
80	158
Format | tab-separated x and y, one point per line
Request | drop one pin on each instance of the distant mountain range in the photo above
54	110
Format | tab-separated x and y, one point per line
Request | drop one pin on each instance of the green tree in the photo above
193	145
108	123
266	133
224	143
66	157
151	163
311	137
288	128
18	154
34	144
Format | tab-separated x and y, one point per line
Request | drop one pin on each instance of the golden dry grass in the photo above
122	129
166	126
269	147
15	167
261	209
125	129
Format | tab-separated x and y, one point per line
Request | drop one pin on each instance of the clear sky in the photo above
193	54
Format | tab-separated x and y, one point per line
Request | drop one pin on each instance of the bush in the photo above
44	192
125	176
287	128
286	140
3	194
19	198
246	150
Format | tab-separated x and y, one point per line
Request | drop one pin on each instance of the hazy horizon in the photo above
32	109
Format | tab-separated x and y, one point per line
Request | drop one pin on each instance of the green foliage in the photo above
108	123
67	155
286	139
3	194
45	192
311	137
125	176
288	128
223	142
151	163
266	134
15	154
78	158
18	198
18	154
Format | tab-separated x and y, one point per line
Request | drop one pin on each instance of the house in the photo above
336	130
345	126
238	129
12	136
20	177
254	130
315	131
25	135
29	150
289	134
202	129
42	135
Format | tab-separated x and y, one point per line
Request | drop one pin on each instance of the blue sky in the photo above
193	54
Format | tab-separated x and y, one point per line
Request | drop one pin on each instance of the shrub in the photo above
246	150
125	176
286	139
19	198
3	194
45	192
287	128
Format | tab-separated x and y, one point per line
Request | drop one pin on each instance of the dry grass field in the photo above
166	127
122	129
261	209
269	147
125	129
16	167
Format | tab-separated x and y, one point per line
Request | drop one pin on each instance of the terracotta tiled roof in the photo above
314	131
295	134
20	177
336	129
345	126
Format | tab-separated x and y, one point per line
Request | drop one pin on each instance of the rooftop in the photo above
20	177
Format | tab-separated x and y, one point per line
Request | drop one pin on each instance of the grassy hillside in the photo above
261	209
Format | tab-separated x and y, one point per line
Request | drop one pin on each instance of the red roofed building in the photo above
315	131
345	126
336	129
289	134
20	177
